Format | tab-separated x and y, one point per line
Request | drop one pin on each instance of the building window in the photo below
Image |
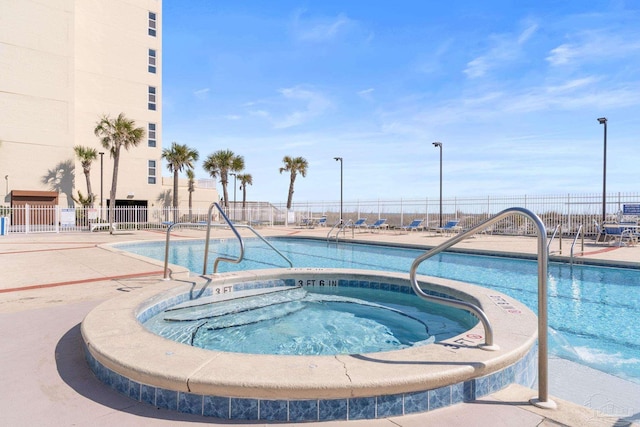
152	24
151	179
152	98
152	61
152	135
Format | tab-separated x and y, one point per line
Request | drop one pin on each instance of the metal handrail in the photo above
543	400
341	225
579	233
235	231
555	231
206	250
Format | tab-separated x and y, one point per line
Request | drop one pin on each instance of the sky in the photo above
512	90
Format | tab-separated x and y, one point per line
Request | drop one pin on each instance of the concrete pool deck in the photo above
51	281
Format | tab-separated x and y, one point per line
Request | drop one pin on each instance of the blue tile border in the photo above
522	372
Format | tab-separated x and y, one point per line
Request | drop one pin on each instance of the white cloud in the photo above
505	49
313	104
319	29
201	93
594	46
367	94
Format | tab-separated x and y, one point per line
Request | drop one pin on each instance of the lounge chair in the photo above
618	233
601	236
449	227
322	222
360	224
306	223
379	224
414	226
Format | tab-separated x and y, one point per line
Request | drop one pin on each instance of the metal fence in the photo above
569	211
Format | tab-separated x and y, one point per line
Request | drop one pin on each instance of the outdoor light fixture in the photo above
439	144
603	121
339	159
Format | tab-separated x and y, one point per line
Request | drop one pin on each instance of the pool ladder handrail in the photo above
235	231
556	230
206	250
575	239
342	225
542	400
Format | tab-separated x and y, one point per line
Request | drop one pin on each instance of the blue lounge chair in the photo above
379	224
322	222
360	223
415	225
618	233
449	227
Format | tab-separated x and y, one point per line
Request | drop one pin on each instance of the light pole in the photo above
439	144
340	160
234	196
101	183
603	121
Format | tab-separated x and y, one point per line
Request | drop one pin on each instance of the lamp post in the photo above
603	121
234	196
101	179
339	159
439	144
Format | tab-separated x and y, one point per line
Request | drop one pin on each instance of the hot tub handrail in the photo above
543	259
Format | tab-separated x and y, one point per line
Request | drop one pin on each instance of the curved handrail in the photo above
553	236
206	252
342	226
543	260
206	242
579	233
235	231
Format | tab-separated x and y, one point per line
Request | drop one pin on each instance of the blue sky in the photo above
512	89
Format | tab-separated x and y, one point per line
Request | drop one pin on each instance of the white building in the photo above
63	65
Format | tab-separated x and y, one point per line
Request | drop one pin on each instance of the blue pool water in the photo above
321	321
594	312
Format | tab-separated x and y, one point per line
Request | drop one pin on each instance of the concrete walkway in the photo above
49	282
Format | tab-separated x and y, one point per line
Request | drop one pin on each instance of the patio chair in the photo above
601	235
449	227
379	224
414	226
618	233
322	222
360	224
306	223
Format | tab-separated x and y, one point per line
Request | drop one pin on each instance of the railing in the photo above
543	385
570	210
579	233
235	231
209	225
556	230
341	226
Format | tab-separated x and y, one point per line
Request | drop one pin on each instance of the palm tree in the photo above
294	165
178	157
191	188
86	155
220	164
245	179
115	134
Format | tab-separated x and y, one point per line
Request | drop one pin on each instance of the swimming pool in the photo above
593	311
